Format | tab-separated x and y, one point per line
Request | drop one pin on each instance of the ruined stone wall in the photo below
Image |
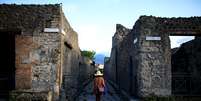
76	69
119	68
121	33
38	53
29	19
143	65
76	73
155	53
179	26
186	68
123	58
42	55
86	72
110	67
134	58
71	58
42	58
140	62
154	71
70	74
47	52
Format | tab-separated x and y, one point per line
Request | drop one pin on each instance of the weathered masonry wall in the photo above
121	67
71	59
37	52
140	62
47	55
154	62
76	69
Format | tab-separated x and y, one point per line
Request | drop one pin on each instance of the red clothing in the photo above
98	83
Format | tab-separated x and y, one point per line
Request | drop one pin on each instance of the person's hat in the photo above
98	73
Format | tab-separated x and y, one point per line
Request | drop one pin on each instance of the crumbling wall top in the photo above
174	25
28	18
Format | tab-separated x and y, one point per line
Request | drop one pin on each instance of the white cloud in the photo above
176	41
92	37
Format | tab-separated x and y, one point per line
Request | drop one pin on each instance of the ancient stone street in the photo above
110	94
42	59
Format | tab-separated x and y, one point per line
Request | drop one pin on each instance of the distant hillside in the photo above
99	58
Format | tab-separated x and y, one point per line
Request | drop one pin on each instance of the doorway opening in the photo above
186	62
7	72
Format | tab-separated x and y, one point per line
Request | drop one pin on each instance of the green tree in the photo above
89	54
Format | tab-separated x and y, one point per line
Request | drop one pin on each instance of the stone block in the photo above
23	77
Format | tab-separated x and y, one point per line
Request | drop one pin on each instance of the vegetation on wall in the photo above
89	54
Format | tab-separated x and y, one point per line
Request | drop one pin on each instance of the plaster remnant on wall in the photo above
152	38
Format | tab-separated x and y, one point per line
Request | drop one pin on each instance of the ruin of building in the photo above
140	60
41	60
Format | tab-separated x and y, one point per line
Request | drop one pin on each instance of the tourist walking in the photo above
99	85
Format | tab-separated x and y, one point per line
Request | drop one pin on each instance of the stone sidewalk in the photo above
110	94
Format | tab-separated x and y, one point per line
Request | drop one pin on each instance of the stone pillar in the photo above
154	71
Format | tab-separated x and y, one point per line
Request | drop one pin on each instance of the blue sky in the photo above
95	20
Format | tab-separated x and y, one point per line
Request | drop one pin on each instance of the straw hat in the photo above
98	73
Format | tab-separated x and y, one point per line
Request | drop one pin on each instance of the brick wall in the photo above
24	45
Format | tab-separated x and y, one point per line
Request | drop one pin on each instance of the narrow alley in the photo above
111	94
45	59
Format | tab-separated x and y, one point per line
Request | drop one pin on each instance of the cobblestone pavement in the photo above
110	94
